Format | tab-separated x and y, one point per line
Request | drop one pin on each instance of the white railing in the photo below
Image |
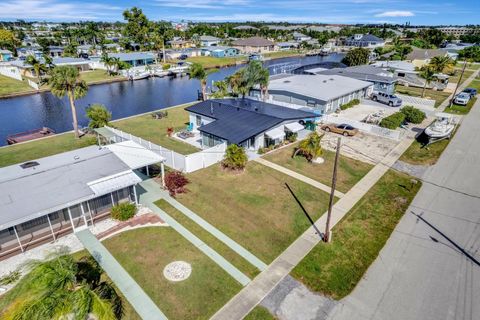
185	163
365	127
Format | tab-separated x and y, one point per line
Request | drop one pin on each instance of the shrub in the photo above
292	137
169	131
350	104
11	277
235	158
99	115
413	115
393	121
166	66
124	211
175	181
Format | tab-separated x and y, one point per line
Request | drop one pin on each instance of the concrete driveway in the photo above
424	271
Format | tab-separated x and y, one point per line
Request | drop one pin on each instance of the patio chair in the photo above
190	127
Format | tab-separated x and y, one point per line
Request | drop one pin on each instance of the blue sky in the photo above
424	12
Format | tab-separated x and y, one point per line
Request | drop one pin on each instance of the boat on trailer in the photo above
441	128
29	135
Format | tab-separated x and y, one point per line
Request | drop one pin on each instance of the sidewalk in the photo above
240	305
139	300
153	194
299	176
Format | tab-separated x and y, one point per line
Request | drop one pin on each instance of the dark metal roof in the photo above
237	120
253	42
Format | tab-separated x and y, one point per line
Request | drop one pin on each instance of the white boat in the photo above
140	75
442	127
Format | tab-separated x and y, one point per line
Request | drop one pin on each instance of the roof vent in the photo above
29	164
331	79
324	81
287	81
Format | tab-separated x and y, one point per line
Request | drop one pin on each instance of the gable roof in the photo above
366	37
237	120
253	42
424	54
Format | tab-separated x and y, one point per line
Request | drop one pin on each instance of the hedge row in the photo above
350	104
393	121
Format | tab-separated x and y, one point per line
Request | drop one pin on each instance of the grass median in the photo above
335	269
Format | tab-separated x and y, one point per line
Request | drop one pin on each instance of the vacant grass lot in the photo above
282	54
350	171
459	109
438	96
145	252
471	66
98	76
254	208
155	130
335	269
9	86
42	148
235	259
213	62
259	313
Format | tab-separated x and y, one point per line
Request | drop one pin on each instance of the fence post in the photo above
203	160
149	145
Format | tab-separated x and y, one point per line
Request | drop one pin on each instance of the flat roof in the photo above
319	86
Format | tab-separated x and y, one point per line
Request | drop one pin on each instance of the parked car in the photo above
462	98
471	91
387	98
344	128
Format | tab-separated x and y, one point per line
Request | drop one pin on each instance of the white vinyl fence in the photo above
365	127
175	160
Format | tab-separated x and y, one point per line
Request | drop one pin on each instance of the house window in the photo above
198	121
310	103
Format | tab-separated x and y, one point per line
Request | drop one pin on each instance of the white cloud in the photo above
395	14
201	4
56	10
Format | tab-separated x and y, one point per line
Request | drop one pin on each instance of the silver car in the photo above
462	98
387	98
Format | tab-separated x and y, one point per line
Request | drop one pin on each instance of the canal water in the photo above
123	99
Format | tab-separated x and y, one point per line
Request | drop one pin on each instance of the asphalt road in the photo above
422	273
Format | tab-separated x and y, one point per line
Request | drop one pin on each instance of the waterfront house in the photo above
319	93
180	44
245	122
220	52
5	55
300	37
44	199
364	41
209	41
382	79
254	45
289	45
135	58
55	51
24	52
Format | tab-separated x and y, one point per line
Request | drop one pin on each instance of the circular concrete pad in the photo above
177	271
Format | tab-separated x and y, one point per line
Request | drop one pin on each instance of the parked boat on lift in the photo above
442	127
138	75
255	57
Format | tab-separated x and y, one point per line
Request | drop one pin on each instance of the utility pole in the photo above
326	236
459	81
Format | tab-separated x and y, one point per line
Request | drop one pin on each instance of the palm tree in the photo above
198	72
238	83
62	288
263	81
310	148
441	64
108	62
428	74
65	80
222	89
38	67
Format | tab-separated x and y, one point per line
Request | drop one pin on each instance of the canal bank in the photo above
123	99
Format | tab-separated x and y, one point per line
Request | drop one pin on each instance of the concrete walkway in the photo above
299	176
154	193
247	255
135	295
240	305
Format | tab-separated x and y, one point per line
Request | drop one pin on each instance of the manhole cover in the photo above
177	271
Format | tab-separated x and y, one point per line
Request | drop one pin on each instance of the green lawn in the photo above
9	86
259	313
213	62
350	171
242	264
145	252
254	208
281	54
155	130
334	269
438	96
418	155
97	76
471	66
459	109
456	77
474	84
42	148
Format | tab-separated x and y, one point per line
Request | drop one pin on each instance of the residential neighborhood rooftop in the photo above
253	42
